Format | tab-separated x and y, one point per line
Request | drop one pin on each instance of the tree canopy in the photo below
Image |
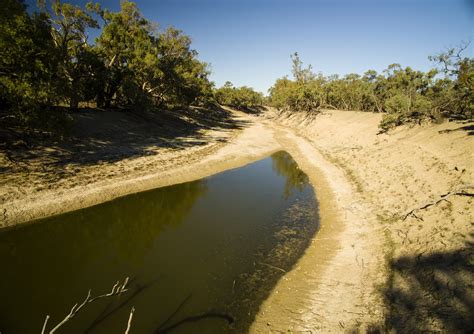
402	94
244	97
47	60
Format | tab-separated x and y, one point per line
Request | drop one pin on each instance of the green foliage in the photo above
402	94
239	97
28	62
47	61
146	67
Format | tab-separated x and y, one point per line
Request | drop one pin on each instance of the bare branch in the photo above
75	309
45	324
129	324
117	289
444	197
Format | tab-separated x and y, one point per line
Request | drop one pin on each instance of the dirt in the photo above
422	263
368	268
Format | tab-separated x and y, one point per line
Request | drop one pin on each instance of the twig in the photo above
269	265
75	309
107	313
129	324
443	197
44	325
117	289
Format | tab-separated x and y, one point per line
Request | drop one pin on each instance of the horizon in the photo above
249	43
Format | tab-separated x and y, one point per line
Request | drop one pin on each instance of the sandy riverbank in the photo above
359	272
123	156
411	218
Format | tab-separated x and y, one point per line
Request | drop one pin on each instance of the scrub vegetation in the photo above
48	66
403	95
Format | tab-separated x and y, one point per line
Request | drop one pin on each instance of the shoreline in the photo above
304	299
179	167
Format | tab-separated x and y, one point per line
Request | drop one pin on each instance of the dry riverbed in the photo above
392	252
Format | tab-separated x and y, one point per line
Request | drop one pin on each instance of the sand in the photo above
368	267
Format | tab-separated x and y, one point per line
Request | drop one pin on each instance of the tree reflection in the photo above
295	179
88	248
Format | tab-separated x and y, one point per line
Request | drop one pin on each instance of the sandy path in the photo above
362	181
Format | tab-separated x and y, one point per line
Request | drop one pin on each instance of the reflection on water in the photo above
201	256
285	166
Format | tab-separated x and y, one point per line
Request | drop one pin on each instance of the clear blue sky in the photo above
248	42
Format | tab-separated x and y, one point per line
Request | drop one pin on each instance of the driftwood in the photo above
109	312
272	266
444	197
117	289
129	323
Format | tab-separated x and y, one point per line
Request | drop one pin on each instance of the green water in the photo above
201	256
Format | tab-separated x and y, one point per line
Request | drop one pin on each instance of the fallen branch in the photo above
129	323
117	289
107	313
274	267
443	197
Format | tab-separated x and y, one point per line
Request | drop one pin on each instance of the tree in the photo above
28	62
459	70
185	78
123	44
244	97
69	26
146	67
300	74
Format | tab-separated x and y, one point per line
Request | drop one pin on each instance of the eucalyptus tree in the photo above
69	27
146	67
124	45
455	92
185	77
28	62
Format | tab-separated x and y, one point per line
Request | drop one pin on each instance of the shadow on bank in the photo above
112	135
431	293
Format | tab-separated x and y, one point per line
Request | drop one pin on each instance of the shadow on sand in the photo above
109	136
432	293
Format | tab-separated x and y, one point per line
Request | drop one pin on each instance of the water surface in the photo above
201	256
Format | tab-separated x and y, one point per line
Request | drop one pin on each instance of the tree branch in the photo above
117	289
129	324
444	197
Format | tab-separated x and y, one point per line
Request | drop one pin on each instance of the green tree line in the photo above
47	60
244	97
402	94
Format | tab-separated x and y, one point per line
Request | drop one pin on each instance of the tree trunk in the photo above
74	98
